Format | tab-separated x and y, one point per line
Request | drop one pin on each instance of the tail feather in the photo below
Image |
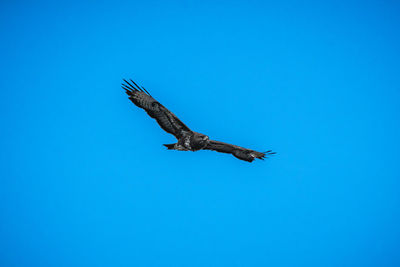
170	146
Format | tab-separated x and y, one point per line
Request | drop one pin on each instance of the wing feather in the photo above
168	121
237	151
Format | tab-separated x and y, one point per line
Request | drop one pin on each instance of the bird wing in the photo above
165	118
237	151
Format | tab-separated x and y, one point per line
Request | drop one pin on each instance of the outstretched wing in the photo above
165	118
239	152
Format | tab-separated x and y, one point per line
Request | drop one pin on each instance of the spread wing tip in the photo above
132	87
263	155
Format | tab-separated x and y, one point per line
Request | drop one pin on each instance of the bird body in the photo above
191	141
188	140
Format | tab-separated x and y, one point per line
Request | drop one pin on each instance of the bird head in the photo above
199	141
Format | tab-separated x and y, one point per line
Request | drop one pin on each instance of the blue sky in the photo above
85	180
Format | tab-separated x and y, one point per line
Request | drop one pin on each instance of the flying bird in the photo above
188	140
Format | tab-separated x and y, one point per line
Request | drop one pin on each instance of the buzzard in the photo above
188	140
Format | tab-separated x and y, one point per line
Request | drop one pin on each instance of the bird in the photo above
187	140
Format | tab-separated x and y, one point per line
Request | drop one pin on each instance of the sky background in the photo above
85	180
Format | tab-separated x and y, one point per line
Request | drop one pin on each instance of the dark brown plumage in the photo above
188	140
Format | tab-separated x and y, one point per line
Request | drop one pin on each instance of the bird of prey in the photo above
188	140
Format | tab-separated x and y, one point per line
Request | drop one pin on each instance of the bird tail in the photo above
170	146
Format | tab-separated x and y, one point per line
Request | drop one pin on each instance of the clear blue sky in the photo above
85	180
